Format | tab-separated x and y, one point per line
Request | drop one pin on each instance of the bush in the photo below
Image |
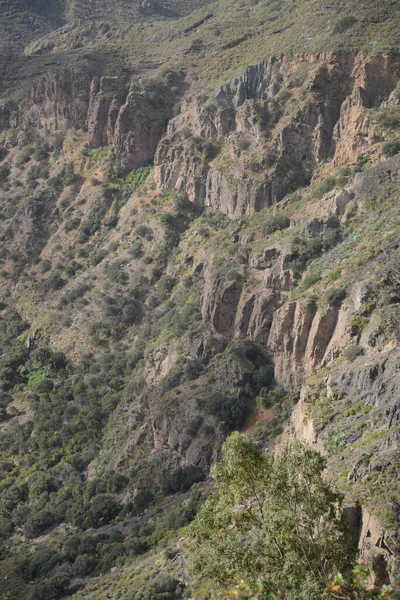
72	224
163	588
182	479
115	273
391	148
173	378
335	296
5	171
24	156
111	221
205	149
230	413
344	24
36	172
58	143
389	118
311	280
312	248
41	150
143	231
38	523
322	188
142	501
270	397
84	565
276	223
262	377
331	237
192	369
102	510
3	153
352	352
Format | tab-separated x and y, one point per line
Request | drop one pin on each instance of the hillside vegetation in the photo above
199	235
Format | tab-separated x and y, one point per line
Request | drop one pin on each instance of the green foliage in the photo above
335	296
391	148
182	479
41	150
162	588
262	377
344	24
276	521
35	172
24	156
5	171
311	280
276	223
352	352
114	271
205	150
323	187
389	117
230	412
306	248
71	224
270	397
354	587
3	153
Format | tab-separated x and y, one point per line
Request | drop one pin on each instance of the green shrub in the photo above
389	118
205	149
344	24
5	171
358	324
38	523
3	153
312	248
143	231
334	275
331	237
58	143
173	378
111	221
276	223
262	377
95	258
352	352
101	510
231	413
142	501
36	172
72	224
41	150
24	156
270	397
326	185
115	273
311	280
162	588
182	479
84	565
391	148
335	296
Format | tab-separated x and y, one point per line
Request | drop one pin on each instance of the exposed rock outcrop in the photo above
271	130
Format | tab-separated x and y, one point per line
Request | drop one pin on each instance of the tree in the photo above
277	521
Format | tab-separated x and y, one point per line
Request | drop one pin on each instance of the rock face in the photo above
267	139
59	99
131	120
372	384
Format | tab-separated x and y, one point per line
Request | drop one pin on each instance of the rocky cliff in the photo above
199	233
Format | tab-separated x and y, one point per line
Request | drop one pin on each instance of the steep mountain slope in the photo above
199	232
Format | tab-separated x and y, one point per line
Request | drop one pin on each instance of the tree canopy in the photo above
277	521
